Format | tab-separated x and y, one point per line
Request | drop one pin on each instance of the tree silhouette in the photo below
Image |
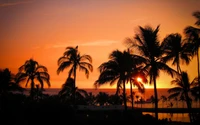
193	35
148	46
119	69
176	50
183	89
74	60
33	73
164	99
7	85
8	82
102	98
66	92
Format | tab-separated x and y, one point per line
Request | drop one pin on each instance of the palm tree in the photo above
66	92
183	89
176	50
148	46
115	100
119	69
102	98
90	99
31	72
74	60
182	99
164	99
137	98
193	35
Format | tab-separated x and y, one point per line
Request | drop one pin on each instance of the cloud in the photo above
93	43
14	3
99	43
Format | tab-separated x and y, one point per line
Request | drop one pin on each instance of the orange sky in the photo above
41	29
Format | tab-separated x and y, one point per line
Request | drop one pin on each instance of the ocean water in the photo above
183	117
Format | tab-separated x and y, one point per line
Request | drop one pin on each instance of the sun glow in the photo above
139	79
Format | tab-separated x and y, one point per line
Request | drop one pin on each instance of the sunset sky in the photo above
42	29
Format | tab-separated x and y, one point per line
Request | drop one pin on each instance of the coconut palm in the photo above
148	46
73	60
164	99
90	98
176	50
182	99
134	74
193	35
115	100
183	89
66	92
102	98
118	70
34	73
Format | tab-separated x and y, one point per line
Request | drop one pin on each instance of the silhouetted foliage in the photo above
33	73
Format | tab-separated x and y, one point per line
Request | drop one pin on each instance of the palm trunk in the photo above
124	95
74	88
131	90
32	89
198	70
189	107
156	98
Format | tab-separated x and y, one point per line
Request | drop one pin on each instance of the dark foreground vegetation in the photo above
21	110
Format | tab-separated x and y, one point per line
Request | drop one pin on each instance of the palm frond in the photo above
174	95
86	57
63	66
196	14
175	90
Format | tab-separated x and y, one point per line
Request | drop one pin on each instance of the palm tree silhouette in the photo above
183	89
119	69
164	99
66	92
115	99
32	72
102	98
148	46
176	50
193	35
73	59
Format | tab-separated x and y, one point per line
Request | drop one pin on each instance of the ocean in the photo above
147	95
183	117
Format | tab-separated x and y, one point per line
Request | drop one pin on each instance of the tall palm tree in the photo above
183	89
148	46
73	60
32	72
176	50
117	70
193	35
135	73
